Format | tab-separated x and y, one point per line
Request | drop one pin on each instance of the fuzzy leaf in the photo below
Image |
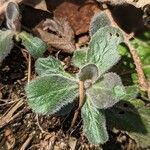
48	94
131	92
98	21
13	16
6	43
131	116
136	3
88	72
94	123
34	45
79	57
50	65
107	91
103	48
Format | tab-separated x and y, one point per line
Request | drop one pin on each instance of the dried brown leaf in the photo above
58	34
56	42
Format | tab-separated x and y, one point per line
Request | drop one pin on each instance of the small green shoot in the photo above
34	45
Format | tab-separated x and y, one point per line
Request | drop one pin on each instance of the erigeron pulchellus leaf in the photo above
131	92
132	117
6	43
79	57
48	94
106	91
94	123
103	48
13	16
99	20
50	65
34	45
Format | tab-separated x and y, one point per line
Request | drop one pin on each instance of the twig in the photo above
29	68
81	102
41	129
26	143
9	116
142	80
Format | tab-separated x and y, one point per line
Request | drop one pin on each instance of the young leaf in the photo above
98	21
88	72
79	57
107	91
133	117
103	48
6	43
94	123
48	94
50	65
13	16
34	45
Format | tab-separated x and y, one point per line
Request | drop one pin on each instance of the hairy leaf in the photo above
107	91
136	3
94	123
88	72
13	16
34	45
131	92
6	43
98	21
79	57
131	116
50	65
48	94
103	48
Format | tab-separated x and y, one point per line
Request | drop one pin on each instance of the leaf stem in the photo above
81	102
29	68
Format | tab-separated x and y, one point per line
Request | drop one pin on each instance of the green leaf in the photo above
88	72
48	94
34	45
103	48
50	65
94	123
131	92
142	45
107	91
133	117
6	43
98	21
13	16
79	57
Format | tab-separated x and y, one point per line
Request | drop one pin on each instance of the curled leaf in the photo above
61	35
13	16
88	72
